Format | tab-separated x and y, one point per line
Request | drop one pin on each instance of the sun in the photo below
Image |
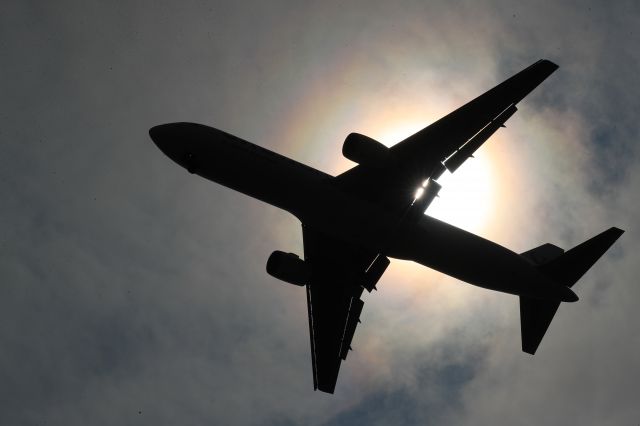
465	199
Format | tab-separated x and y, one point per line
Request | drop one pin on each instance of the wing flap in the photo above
355	309
312	338
453	162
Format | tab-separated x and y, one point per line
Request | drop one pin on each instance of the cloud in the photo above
133	292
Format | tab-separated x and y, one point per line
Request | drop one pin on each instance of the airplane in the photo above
354	222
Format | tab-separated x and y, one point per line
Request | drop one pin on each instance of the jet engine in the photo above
363	150
288	267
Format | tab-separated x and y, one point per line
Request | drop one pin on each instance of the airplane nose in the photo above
170	139
190	144
159	135
182	142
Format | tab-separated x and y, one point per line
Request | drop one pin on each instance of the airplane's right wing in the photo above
339	273
450	140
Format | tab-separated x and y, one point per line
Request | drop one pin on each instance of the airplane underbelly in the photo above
470	258
344	217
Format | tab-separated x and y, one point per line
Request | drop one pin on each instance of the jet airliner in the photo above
354	222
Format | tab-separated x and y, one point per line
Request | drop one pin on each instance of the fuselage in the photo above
315	200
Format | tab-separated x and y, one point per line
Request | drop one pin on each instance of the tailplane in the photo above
535	317
565	268
572	265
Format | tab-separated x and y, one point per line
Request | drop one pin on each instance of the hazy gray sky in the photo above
134	293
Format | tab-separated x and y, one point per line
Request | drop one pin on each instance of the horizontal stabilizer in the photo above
535	317
572	265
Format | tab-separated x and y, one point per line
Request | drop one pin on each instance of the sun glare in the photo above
465	199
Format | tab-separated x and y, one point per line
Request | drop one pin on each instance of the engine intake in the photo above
363	150
288	267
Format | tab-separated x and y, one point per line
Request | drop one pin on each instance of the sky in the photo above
134	293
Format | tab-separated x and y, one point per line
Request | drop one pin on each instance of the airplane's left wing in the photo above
338	277
449	141
444	137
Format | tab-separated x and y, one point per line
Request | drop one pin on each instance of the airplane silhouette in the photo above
352	223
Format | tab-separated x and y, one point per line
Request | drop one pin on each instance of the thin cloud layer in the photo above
134	293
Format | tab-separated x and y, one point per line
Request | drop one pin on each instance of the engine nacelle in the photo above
363	150
288	267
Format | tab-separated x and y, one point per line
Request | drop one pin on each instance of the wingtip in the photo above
613	233
616	230
546	62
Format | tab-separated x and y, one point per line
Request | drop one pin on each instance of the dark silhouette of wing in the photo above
333	301
450	140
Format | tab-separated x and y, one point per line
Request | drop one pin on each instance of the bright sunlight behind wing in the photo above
465	199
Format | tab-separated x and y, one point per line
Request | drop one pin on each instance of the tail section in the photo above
566	268
571	266
535	317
